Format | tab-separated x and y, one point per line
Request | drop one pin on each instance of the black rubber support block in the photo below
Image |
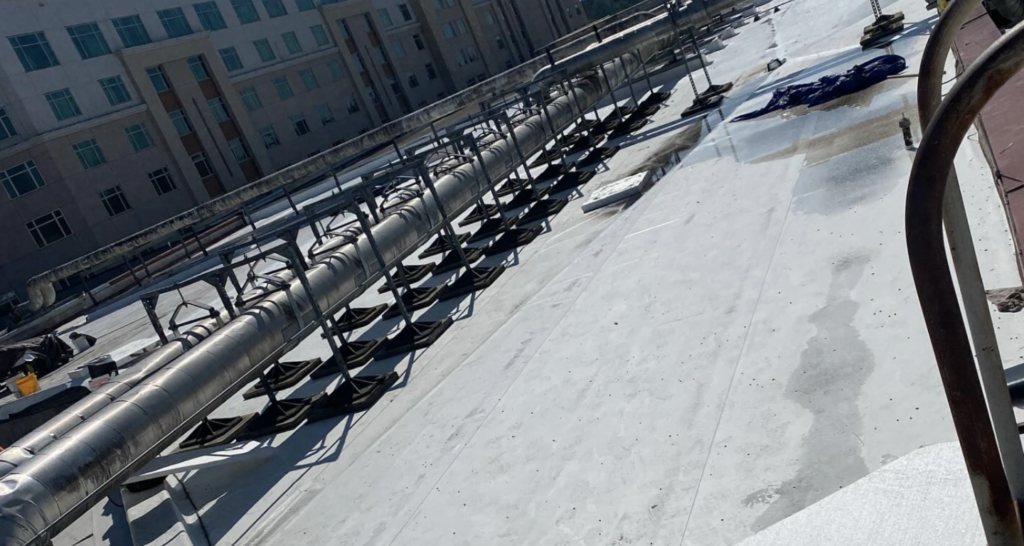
355	354
627	126
475	279
357	317
419	335
569	140
647	110
570	181
701	105
552	172
525	198
546	156
441	245
452	261
287	414
283	375
598	155
513	239
510	186
584	143
715	91
543	209
215	432
613	118
655	98
492	227
345	400
414	300
480	213
415	273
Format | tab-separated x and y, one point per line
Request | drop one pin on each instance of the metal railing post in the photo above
964	384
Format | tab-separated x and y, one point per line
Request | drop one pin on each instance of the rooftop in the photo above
689	367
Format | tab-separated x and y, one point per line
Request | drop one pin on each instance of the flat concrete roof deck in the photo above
687	368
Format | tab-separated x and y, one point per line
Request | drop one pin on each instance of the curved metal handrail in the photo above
963	253
937	293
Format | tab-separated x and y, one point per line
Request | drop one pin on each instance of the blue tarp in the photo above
833	86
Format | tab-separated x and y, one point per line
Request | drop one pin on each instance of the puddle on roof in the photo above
821	148
667	154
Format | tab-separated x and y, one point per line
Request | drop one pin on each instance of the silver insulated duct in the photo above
50	490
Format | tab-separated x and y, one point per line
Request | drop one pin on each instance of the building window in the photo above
367	22
500	42
202	164
209	16
284	89
319	35
89	153
264	50
396	88
472	54
353	106
162	181
114	201
174	22
431	74
381	57
138	136
115	90
21	179
357	59
335	69
245	11
343	29
88	40
198	68
385	18
300	125
372	93
398	48
438	5
291	41
489	16
158	79
49	228
231	60
250	99
414	82
404	10
326	116
63	104
238	149
33	51
180	122
220	110
419	42
275	8
449	30
6	127
309	80
269	136
304	5
131	31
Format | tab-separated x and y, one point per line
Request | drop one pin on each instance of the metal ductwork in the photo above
25	448
50	490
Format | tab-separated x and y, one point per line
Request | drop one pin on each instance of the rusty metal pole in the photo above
964	256
969	406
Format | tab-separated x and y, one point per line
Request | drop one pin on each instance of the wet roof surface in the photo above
689	368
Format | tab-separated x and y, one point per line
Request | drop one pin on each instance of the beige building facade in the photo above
117	114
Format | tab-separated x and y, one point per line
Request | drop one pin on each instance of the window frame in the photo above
7	129
269	49
112	86
385	17
175	22
204	160
273	141
8	181
282	83
240	145
230	52
179	115
197	66
291	42
278	10
69	98
209	15
329	118
131	28
298	121
139	137
255	104
22	46
154	72
108	195
319	35
158	177
403	9
35	226
219	108
80	34
245	11
311	80
89	154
